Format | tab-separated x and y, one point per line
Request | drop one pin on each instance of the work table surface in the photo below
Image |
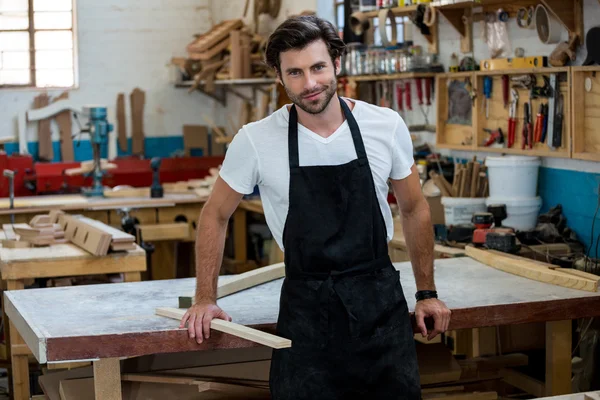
118	320
80	202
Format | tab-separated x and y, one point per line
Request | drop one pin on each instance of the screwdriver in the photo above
487	91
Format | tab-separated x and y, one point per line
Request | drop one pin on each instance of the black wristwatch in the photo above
426	294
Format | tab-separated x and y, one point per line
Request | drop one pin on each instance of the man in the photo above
322	167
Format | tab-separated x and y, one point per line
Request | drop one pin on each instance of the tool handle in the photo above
512	125
530	135
428	91
539	122
505	89
545	128
407	93
419	83
557	137
399	98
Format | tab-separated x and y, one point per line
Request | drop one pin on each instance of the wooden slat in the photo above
581	274
87	237
242	282
531	270
118	236
175	231
523	382
63	120
46	152
121	122
231	328
137	99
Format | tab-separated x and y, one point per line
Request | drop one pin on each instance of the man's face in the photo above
309	76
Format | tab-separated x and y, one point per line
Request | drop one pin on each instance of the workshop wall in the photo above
572	183
124	44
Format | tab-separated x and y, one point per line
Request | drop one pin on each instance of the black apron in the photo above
342	303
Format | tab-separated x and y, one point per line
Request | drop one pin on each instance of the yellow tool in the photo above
513	63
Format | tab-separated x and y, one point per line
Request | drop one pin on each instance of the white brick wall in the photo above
125	44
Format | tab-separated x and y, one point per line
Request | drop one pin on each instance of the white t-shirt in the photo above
258	155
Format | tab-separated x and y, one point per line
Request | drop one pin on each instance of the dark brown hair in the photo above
297	33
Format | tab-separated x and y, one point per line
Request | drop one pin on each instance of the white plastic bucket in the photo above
521	213
513	176
460	210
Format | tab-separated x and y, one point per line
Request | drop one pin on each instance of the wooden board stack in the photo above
91	235
39	232
470	180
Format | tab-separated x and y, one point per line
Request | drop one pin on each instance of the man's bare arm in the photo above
210	238
210	242
416	224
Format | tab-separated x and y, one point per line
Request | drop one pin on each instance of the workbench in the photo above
58	260
106	322
172	208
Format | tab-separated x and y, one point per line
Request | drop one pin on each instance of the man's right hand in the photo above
198	318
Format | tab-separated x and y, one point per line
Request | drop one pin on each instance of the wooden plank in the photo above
88	237
15	244
107	379
558	357
46	152
581	274
63	120
531	270
235	391
436	364
137	99
77	389
121	122
465	396
195	137
523	382
118	235
175	231
211	38
231	328
242	282
66	260
40	219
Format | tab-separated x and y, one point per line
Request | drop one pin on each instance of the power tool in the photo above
489	231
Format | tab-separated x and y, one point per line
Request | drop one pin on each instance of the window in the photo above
37	43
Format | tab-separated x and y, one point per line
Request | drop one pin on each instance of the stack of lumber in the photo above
39	232
91	235
229	50
470	180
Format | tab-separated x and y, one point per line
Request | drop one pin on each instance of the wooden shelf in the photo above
569	13
523	71
398	11
232	82
586	113
390	77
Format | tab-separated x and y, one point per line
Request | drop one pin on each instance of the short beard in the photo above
313	107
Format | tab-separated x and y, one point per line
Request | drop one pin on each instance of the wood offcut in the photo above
530	269
242	282
232	328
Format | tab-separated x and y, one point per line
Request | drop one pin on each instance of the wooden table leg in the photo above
18	356
558	357
132	276
107	379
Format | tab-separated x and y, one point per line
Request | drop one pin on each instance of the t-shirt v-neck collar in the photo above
315	136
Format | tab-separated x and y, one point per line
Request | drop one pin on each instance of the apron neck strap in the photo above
293	134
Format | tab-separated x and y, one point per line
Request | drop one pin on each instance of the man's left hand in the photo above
435	309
